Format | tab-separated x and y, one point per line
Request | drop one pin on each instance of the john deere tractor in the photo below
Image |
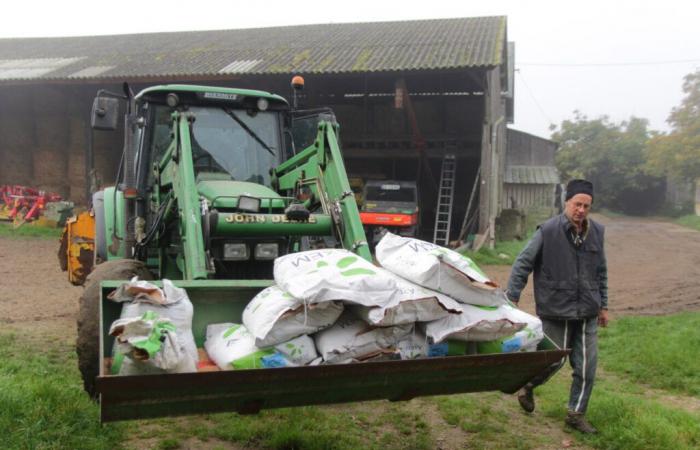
215	183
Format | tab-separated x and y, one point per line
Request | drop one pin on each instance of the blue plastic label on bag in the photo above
438	349
512	345
274	360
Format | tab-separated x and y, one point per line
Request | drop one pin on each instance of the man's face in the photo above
577	208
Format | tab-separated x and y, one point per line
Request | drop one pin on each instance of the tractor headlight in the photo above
235	251
267	251
248	204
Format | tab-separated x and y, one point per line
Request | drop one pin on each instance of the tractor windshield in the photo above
242	145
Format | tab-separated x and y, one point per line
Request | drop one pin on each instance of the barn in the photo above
409	96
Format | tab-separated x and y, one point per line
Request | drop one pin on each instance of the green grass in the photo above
659	351
352	426
29	230
503	253
43	404
690	221
625	417
491	420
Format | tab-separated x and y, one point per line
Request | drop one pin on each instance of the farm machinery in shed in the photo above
215	183
22	204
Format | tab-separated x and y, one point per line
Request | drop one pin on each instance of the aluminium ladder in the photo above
443	212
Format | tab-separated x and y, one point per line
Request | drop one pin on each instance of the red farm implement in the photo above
20	204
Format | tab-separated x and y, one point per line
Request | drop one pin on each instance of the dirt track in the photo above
654	267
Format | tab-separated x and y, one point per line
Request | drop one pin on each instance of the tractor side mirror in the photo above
105	113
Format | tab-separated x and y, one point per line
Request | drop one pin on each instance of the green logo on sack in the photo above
344	263
347	262
230	331
293	350
486	308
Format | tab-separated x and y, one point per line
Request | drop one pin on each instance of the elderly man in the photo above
571	294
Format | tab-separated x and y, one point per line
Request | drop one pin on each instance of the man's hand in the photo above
603	318
513	301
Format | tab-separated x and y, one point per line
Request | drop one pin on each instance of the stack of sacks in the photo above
486	314
170	303
355	311
389	305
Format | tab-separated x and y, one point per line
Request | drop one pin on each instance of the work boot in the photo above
577	421
526	399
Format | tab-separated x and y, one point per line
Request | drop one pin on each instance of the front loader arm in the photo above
177	169
321	168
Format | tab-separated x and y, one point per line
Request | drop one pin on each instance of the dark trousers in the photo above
581	336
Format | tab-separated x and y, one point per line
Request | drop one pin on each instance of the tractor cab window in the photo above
305	125
235	143
161	131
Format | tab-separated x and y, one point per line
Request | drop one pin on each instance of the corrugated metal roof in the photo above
32	67
531	175
329	48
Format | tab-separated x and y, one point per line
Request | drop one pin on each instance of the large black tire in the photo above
88	342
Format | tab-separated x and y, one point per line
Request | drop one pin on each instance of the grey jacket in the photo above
571	282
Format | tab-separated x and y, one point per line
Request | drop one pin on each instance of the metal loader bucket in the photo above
249	391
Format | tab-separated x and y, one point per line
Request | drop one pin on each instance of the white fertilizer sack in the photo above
232	346
171	302
414	345
438	268
352	338
333	274
476	323
410	303
525	340
297	352
274	316
149	344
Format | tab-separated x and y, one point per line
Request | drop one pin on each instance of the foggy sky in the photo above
616	58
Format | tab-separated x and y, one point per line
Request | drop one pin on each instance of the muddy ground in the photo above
654	267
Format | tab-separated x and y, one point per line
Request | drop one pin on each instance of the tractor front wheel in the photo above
88	342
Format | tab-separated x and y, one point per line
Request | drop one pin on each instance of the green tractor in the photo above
215	183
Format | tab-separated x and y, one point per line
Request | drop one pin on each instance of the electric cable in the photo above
544	114
610	64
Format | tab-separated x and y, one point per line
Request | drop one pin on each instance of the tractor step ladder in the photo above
443	213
